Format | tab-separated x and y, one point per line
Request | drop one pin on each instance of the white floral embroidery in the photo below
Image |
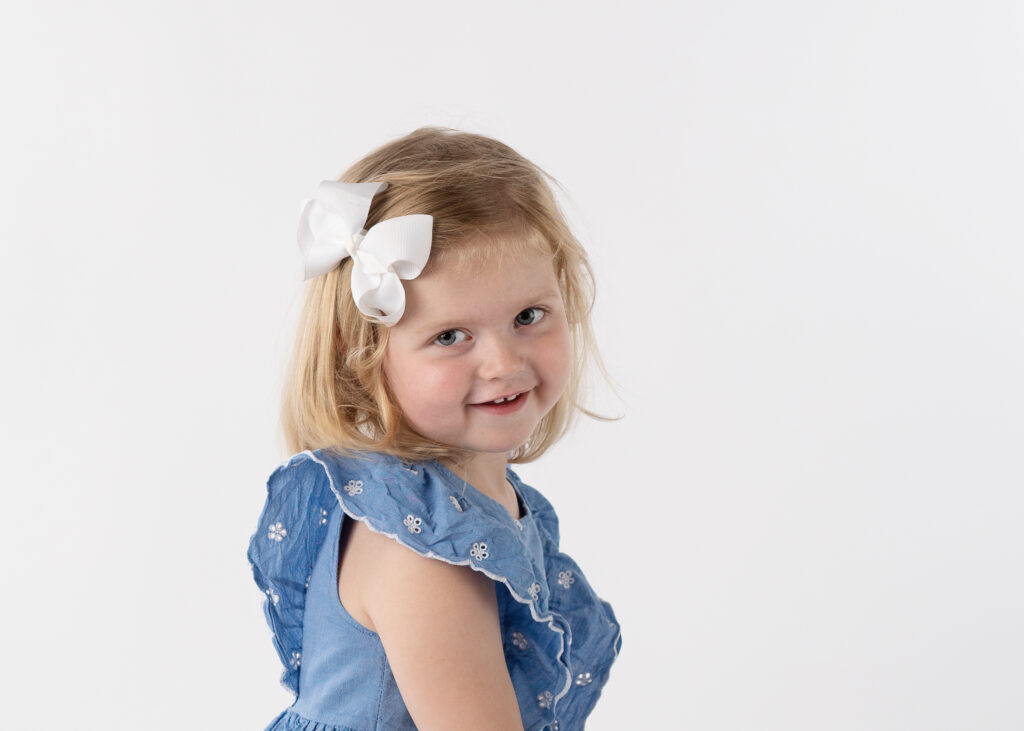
479	551
277	532
274	598
534	590
323	516
519	525
296	659
544	699
354	487
565	578
583	679
413	523
455	502
519	640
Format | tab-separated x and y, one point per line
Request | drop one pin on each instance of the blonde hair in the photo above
478	190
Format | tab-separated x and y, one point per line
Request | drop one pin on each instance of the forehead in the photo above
509	241
479	287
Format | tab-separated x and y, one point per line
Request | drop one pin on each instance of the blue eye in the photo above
530	316
450	337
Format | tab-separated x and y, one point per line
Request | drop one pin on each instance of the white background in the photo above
805	219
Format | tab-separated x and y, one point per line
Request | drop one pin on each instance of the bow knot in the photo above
331	229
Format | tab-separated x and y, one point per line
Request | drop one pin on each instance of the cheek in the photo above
400	376
423	387
438	376
556	354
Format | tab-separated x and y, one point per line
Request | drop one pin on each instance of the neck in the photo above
484	471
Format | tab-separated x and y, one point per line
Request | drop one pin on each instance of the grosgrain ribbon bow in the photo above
331	228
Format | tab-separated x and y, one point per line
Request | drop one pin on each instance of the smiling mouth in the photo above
505	403
504	399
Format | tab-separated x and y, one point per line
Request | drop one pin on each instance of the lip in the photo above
508	407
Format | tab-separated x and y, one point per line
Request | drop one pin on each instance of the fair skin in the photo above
470	335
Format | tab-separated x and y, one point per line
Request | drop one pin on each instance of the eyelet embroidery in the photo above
544	699
479	551
354	487
277	532
583	679
455	502
519	640
565	578
534	590
323	517
413	523
296	659
274	598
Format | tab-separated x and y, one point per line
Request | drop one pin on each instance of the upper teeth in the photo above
503	400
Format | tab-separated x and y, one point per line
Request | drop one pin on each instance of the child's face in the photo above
477	333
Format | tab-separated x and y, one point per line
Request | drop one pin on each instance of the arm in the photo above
440	630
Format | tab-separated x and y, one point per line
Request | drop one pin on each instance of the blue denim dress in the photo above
560	639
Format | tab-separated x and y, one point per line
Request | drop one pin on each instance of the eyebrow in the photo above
440	325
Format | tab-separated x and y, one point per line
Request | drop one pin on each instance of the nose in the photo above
501	357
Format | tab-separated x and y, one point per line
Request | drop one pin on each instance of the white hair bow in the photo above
331	228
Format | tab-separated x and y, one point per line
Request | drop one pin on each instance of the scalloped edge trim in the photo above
549	620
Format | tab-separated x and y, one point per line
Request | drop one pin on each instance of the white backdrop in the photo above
805	220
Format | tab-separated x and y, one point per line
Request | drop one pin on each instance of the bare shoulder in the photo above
439	625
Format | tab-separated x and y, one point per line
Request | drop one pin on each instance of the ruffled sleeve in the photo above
593	636
287	540
409	502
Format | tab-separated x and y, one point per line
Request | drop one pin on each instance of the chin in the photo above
495	448
498	446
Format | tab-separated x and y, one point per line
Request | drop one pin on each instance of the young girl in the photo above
412	580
